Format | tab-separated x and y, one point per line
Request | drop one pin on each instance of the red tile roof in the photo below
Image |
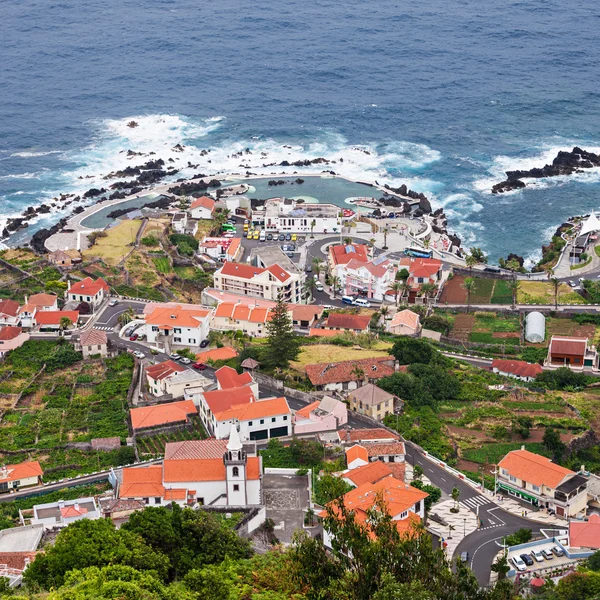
204	202
232	269
163	369
42	299
405	317
9	332
233	248
585	534
221	400
382	449
520	368
209	469
71	511
22	470
229	378
209	448
9	307
347	321
533	468
88	287
142	482
306	312
162	414
342	255
17	560
93	337
224	353
356	452
261	409
53	317
568	345
369	473
424	267
340	372
278	272
359	435
177	316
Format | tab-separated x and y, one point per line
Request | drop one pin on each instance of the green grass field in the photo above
502	293
483	291
162	264
491	454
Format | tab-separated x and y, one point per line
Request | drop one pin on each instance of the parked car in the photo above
256	235
282	237
464	557
204	343
174	356
572	283
290	254
269	236
113	302
294	237
519	564
246	233
547	554
139	354
133	337
199	366
128	331
537	555
526	559
319	286
288	237
362	303
185	361
229	234
557	551
328	307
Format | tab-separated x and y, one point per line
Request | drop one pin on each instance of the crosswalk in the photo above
103	327
492	526
475	501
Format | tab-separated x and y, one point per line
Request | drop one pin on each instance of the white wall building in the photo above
88	290
172	324
64	512
202	208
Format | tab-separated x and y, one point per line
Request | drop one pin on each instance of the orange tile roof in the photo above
9	332
233	247
424	267
241	312
22	470
341	372
232	269
225	310
369	473
177	494
356	452
224	353
259	315
221	400
164	369
306	312
208	448
162	414
317	332
93	337
533	468
405	317
306	410
585	534
520	368
383	449
53	317
42	300
359	435
9	307
346	321
208	469
177	316
255	410
71	511
204	202
278	272
229	378
142	482
88	287
342	254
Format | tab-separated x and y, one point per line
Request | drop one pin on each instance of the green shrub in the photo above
150	240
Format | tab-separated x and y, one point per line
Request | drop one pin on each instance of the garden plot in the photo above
489	328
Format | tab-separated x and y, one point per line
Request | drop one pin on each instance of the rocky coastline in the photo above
565	163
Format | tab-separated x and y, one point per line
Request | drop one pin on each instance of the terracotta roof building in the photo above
202	208
9	312
374	402
14	477
369	452
585	534
161	415
571	352
175	324
344	375
214	354
11	337
88	290
51	319
519	369
348	322
92	342
343	254
373	472
405	322
351	436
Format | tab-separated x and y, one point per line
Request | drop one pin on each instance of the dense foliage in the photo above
283	342
562	379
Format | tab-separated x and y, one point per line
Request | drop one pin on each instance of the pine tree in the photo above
283	343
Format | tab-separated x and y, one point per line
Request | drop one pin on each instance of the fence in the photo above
280	386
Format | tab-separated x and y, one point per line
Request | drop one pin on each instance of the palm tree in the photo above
471	261
426	243
335	282
556	283
309	287
348	241
372	242
397	287
65	323
427	289
383	311
357	373
455	496
513	286
386	230
469	286
313	224
316	265
126	316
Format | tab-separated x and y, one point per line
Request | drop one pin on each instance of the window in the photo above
249	423
200	501
147	500
536	488
154	328
512	478
157	500
285	418
235	472
192	341
177	339
272	419
392	459
404	515
236	488
177	330
417	506
262	421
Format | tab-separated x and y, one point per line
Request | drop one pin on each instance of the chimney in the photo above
61	504
523	447
76	506
582	469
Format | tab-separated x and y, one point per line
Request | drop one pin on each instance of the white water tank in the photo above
535	327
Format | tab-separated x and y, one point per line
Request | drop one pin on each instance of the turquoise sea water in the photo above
441	96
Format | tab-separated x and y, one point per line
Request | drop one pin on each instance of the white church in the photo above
206	472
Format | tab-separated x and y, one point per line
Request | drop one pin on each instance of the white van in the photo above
263	235
362	303
319	286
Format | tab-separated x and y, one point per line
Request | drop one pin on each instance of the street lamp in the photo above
465	527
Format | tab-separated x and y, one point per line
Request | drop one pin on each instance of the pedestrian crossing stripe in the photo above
102	328
475	502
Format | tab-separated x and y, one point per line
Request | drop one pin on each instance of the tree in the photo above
403	274
65	323
455	497
283	342
408	350
478	255
521	536
309	287
556	285
418	472
470	261
55	286
329	488
397	287
335	282
552	443
427	289
385	234
126	316
501	567
383	311
357	373
372	242
316	265
348	241
313	224
469	285
84	308
593	561
513	286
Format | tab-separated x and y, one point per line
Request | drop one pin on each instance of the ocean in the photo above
442	96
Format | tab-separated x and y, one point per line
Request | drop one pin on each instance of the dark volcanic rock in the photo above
186	189
149	177
93	192
162	202
39	237
565	163
424	205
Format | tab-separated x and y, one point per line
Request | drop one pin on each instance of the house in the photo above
222	248
10	338
304	316
64	258
9	312
373	472
347	322
88	290
18	548
544	484
571	352
179	222
585	534
215	354
342	254
50	320
250	319
404	503
162	415
207	472
327	414
373	402
65	512
268	283
172	324
349	374
25	474
289	215
267	256
171	378
202	208
421	271
517	369
93	342
356	456
374	435
369	279
37	303
405	322
392	452
119	509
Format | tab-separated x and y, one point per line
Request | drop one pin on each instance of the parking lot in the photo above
540	567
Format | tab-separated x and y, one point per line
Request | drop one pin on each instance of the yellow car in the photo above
246	227
294	237
256	235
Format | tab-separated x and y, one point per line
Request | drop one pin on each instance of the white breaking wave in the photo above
34	154
22	176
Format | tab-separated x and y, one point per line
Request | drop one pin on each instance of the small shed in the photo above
535	327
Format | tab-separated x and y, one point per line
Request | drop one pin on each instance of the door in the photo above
259	435
279	431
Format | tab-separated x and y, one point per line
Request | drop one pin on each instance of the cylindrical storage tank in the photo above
535	327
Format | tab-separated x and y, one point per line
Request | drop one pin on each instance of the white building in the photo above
208	472
269	283
9	312
202	208
286	214
37	303
64	512
88	290
370	279
170	378
93	342
179	222
171	324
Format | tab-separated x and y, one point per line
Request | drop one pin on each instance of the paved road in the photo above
495	522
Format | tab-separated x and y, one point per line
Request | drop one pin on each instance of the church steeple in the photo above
234	439
235	467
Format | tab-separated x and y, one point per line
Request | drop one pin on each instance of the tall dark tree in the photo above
552	443
283	342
